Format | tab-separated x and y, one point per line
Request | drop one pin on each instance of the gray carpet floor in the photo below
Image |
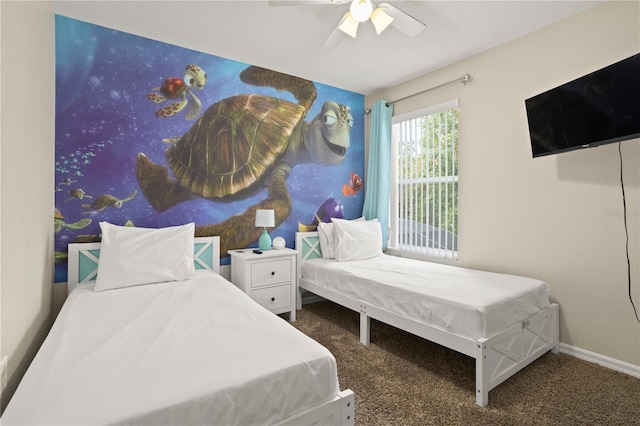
401	379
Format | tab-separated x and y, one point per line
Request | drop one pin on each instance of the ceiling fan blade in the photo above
305	2
405	23
337	34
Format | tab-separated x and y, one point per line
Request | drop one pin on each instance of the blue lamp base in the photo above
264	243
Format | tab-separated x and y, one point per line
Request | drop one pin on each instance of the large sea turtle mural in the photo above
244	144
135	145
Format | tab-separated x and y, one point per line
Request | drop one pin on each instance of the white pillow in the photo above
325	235
132	256
357	240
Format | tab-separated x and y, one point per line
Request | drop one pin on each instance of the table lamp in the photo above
265	219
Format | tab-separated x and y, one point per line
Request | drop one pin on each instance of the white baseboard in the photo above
603	360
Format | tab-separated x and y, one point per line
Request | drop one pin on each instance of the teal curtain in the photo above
377	184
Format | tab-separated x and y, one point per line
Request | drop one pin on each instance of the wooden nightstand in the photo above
269	278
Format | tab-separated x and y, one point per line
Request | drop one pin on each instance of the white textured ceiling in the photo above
290	39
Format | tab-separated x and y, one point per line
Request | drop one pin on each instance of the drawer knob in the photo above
273	273
273	299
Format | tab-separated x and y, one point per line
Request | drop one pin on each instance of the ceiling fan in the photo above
361	11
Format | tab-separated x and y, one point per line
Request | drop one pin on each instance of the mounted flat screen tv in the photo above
599	108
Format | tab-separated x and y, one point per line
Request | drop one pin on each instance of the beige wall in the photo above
556	218
27	170
545	217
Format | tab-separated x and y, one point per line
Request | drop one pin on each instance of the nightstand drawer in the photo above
267	273
268	277
273	298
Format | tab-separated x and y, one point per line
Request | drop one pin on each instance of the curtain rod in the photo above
464	80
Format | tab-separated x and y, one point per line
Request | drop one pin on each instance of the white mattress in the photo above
466	302
195	352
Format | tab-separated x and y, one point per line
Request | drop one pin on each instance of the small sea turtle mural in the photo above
60	257
178	88
59	222
67	181
77	193
107	200
242	144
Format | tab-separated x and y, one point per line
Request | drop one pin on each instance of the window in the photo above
424	185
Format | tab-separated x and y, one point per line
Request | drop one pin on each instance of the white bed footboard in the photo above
504	354
340	411
497	358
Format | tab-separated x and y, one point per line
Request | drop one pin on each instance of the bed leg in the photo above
365	326
482	381
556	328
348	408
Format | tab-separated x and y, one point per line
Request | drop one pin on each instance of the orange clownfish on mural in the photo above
354	185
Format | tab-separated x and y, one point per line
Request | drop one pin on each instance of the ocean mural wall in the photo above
151	134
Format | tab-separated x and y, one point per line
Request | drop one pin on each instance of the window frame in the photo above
438	255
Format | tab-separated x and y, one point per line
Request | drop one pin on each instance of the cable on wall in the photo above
626	231
467	78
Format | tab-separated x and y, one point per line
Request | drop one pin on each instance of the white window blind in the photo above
424	196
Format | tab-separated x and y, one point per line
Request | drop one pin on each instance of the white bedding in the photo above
466	302
193	352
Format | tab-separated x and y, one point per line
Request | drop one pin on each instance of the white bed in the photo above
503	321
198	351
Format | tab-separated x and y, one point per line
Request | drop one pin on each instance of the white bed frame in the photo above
83	268
497	357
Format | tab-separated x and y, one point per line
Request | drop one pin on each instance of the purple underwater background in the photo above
104	119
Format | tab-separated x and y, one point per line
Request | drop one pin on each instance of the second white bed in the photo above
466	302
503	321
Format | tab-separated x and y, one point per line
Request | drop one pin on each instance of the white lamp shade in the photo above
265	218
349	25
380	20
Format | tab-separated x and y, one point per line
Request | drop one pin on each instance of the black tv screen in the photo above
599	108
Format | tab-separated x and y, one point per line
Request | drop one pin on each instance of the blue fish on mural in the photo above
244	144
329	209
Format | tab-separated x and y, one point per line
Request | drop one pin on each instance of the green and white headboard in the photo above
84	258
308	244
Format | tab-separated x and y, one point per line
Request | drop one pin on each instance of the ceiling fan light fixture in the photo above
349	25
380	20
361	10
